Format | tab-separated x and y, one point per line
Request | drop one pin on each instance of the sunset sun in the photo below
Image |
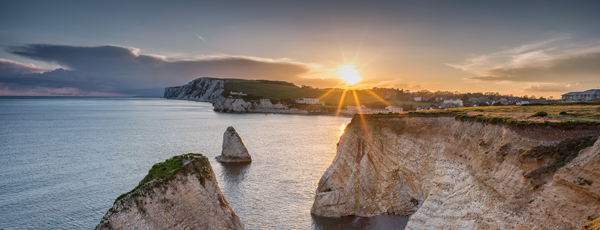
349	74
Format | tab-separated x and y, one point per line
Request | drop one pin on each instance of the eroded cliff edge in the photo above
456	173
180	193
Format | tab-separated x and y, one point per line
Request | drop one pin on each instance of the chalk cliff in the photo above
180	193
213	90
459	173
201	89
234	149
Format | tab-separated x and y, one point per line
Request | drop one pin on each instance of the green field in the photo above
280	90
414	103
559	112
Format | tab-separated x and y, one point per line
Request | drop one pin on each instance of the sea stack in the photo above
233	148
180	193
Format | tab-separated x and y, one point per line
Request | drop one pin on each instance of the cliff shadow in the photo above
234	172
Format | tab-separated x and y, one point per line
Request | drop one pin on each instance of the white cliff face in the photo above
212	90
233	148
450	173
201	89
187	199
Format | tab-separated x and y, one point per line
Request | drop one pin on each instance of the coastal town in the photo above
396	101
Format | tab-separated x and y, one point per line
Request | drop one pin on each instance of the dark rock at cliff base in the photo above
233	148
180	193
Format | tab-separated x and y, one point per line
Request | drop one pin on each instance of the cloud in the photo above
15	90
201	38
116	68
562	88
550	88
549	61
12	67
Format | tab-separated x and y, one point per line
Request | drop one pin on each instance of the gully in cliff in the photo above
233	148
180	193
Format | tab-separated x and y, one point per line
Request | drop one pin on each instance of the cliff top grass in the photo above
165	171
276	90
592	225
567	113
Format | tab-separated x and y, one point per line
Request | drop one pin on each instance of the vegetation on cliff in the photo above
563	113
559	155
592	225
285	91
167	169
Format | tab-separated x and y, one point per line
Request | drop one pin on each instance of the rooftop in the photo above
591	91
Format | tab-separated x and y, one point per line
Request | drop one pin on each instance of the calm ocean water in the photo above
65	160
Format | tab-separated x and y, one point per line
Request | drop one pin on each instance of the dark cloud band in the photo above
102	68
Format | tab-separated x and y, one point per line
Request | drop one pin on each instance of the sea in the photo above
64	160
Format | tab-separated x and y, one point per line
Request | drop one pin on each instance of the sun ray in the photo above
341	47
328	92
378	97
360	114
371	60
360	46
325	94
321	97
337	112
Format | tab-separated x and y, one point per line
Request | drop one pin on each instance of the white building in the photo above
417	98
355	108
309	100
351	110
592	94
453	101
238	93
394	109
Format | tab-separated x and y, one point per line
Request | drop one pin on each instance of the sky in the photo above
120	48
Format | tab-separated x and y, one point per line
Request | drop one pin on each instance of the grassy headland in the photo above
280	90
542	113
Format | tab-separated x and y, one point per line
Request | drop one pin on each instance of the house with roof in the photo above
394	109
457	102
309	100
588	95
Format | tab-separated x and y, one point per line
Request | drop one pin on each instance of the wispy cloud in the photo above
554	60
201	38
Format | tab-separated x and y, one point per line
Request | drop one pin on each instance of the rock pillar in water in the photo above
233	148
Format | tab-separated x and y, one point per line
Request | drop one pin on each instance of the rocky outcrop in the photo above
234	149
231	105
180	193
454	173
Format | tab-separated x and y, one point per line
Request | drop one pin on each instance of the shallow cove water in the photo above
65	160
